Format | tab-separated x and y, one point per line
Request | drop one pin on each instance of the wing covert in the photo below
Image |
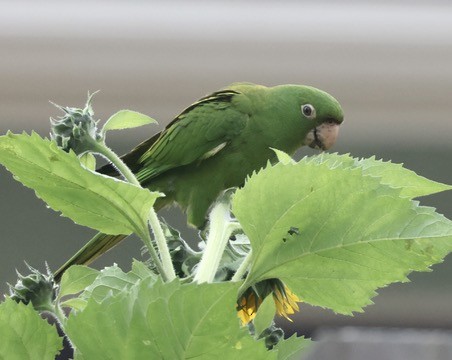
205	127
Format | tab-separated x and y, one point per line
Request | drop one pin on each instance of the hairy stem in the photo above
55	310
146	238
104	150
242	268
162	246
220	230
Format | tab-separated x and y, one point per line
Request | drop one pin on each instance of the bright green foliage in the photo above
169	321
283	157
102	203
99	284
127	119
334	234
265	315
113	280
24	335
141	270
331	227
292	348
88	160
76	279
394	175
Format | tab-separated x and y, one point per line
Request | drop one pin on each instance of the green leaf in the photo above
24	335
97	285
283	157
292	348
141	270
394	175
353	234
76	279
165	321
112	280
77	355
100	202
127	119
74	303
265	315
88	160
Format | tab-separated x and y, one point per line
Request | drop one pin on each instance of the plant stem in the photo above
242	268
220	230
61	319
55	310
146	238
58	312
165	266
160	239
104	150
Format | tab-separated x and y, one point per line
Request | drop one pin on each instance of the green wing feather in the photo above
208	124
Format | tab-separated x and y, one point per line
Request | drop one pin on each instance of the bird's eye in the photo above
308	110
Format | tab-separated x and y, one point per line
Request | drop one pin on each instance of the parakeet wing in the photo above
198	132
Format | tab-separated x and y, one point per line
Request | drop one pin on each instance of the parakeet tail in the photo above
94	248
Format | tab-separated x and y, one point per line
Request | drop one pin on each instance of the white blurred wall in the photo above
389	63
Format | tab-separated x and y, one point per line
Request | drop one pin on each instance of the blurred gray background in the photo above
387	62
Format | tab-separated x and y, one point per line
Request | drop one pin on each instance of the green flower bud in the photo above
76	130
37	288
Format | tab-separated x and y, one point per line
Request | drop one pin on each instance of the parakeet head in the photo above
314	115
326	114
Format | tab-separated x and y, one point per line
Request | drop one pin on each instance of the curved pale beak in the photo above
323	136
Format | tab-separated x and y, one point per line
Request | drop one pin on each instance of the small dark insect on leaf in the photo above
294	230
284	240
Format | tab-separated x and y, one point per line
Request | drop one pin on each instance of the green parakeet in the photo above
218	141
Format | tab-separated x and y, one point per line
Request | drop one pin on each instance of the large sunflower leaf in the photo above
411	184
165	321
334	234
108	205
394	175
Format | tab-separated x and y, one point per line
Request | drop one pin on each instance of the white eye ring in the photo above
308	111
